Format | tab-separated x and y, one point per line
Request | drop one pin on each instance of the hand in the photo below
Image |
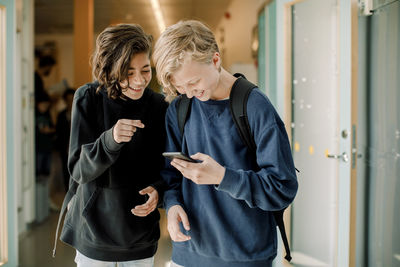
175	215
150	205
207	172
124	129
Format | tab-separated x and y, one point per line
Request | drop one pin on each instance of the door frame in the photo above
3	141
348	11
11	126
354	11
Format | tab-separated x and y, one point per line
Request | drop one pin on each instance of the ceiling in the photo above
56	16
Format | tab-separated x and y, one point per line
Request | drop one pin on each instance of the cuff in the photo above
230	183
160	187
110	143
170	201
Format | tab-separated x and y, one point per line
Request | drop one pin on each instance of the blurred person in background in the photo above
43	67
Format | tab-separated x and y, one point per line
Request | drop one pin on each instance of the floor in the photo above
36	245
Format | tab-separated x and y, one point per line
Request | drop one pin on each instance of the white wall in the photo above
237	32
236	48
64	57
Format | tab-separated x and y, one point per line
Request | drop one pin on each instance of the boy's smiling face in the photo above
139	76
197	79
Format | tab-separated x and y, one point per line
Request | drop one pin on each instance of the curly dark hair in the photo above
115	47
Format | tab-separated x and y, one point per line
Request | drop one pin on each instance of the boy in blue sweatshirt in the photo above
219	210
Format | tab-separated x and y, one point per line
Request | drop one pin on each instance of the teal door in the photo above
378	239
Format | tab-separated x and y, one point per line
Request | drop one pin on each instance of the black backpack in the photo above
238	108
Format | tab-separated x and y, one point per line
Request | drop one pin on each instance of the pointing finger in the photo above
136	123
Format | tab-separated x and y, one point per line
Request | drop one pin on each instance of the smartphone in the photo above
178	155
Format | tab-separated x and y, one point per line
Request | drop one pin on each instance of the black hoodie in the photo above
99	222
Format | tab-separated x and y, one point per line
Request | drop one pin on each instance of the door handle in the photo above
343	157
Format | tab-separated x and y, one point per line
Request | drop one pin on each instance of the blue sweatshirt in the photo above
231	224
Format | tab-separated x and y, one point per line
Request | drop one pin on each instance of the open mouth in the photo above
136	89
201	94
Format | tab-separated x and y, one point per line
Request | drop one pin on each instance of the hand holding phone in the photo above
178	155
207	171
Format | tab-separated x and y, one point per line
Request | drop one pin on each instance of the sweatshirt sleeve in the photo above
90	153
275	185
171	177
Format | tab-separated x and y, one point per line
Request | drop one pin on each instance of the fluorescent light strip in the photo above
159	16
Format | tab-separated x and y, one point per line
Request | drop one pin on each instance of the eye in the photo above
194	83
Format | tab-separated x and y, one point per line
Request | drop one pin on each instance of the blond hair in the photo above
177	43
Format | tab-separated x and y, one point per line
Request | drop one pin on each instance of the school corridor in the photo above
331	69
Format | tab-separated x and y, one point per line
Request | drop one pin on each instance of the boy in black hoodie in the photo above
117	137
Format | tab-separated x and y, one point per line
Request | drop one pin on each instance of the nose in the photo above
138	79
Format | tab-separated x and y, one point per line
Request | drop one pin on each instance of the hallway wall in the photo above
235	48
65	56
236	31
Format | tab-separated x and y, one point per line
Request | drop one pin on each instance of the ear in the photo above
216	60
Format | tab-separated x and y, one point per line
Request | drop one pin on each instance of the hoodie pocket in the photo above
110	222
90	202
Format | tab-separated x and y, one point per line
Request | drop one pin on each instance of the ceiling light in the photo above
159	16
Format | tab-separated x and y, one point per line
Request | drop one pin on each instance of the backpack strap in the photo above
182	111
238	107
71	192
278	215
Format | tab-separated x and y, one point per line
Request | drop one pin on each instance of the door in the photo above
320	83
